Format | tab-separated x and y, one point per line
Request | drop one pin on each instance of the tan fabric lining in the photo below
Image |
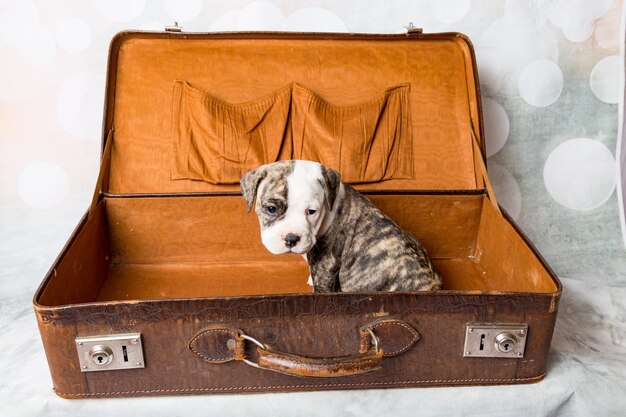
342	72
83	270
367	142
218	142
501	252
160	248
220	230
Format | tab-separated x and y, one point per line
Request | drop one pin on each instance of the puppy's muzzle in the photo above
291	240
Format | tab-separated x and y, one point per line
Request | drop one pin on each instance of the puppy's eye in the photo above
271	210
311	212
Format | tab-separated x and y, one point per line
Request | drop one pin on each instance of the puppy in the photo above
349	244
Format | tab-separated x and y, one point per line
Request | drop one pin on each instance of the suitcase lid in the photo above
190	113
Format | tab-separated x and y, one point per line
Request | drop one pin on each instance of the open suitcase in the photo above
165	288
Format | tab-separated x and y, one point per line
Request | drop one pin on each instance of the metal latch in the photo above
174	28
412	29
106	353
495	340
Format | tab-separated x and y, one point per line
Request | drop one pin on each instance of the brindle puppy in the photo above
349	244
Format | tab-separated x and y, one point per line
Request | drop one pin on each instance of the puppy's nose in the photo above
291	240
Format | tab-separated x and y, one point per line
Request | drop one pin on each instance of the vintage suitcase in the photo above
165	288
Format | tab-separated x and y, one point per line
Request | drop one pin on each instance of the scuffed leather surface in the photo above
211	344
301	366
394	336
219	344
315	325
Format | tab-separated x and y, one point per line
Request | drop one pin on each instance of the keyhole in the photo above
101	355
505	342
482	341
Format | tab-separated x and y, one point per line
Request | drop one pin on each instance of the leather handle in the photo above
296	365
383	337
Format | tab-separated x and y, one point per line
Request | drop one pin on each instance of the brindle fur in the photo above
275	180
364	250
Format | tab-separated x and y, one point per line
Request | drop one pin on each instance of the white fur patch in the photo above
305	192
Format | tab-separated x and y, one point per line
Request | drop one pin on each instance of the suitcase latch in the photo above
495	340
412	29
174	28
106	353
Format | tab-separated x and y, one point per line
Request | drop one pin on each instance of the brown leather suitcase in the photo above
165	288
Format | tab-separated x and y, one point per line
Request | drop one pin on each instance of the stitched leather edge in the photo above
394	322
335	385
208	358
390	322
350	362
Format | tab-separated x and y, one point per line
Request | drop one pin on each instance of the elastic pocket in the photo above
368	142
217	142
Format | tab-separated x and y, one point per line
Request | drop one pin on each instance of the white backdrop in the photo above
551	79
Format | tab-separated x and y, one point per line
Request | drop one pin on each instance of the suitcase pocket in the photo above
217	141
368	142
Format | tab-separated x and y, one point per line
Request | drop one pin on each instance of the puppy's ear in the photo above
330	183
249	184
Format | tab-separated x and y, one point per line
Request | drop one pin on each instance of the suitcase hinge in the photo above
411	29
174	28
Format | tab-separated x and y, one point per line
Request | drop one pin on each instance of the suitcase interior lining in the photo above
429	115
136	247
186	247
218	141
